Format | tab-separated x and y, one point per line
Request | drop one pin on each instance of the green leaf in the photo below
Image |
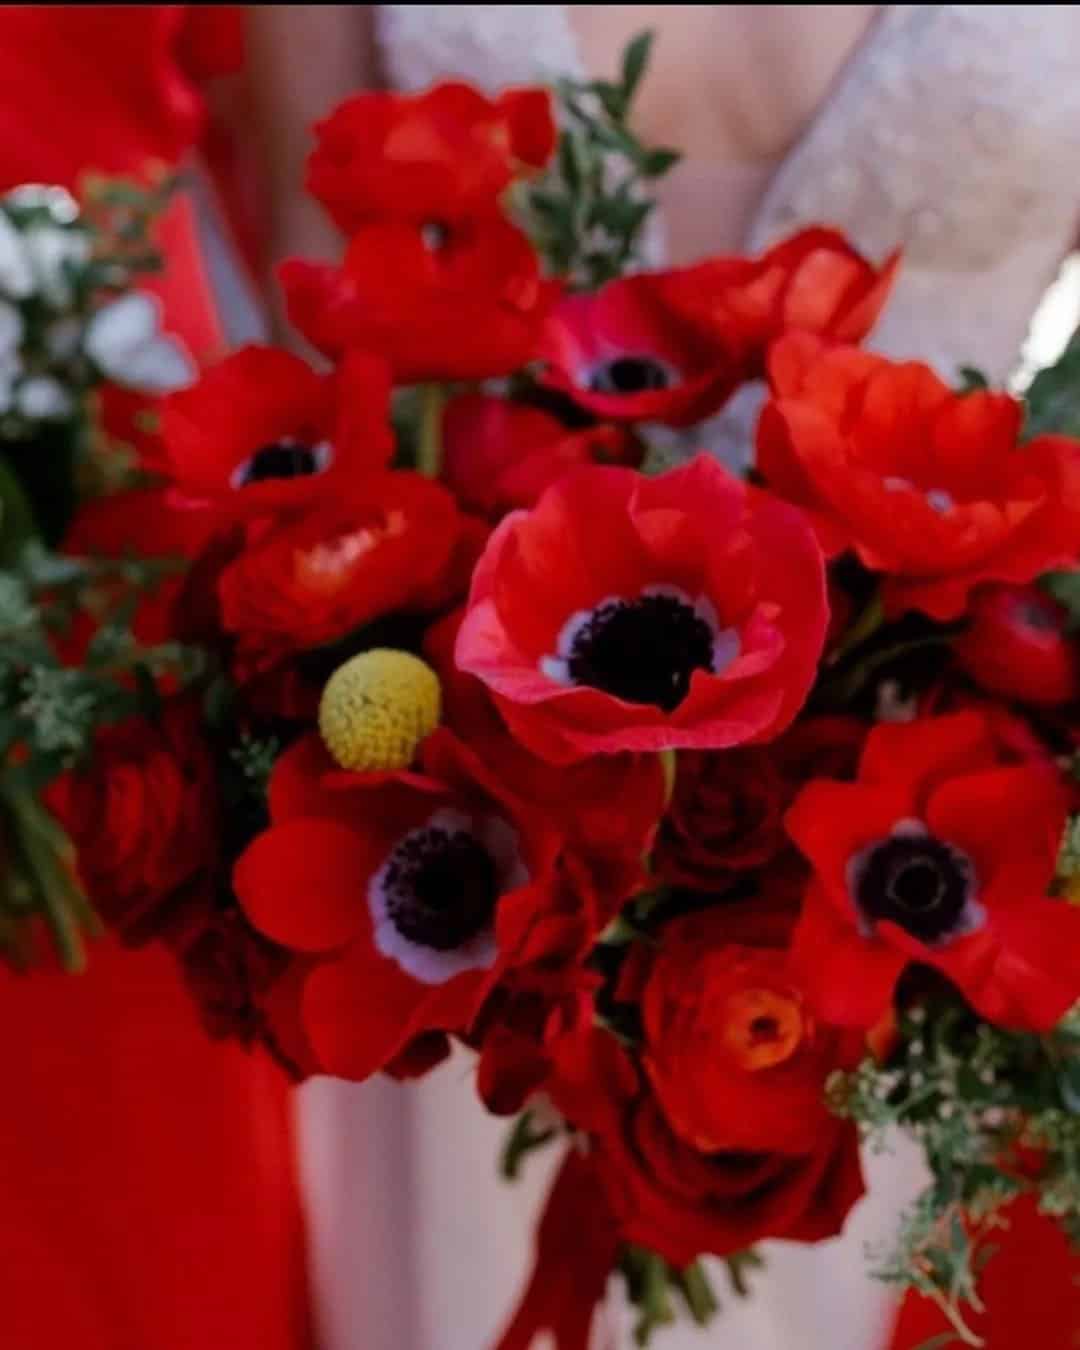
655	163
972	380
635	62
1053	397
570	162
1064	586
524	1138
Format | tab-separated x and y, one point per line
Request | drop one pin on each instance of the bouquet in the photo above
725	818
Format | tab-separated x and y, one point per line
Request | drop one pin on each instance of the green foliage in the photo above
657	1289
587	213
1053	397
982	1103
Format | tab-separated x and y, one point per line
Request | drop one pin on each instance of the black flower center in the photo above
916	881
434	235
630	375
282	459
643	651
441	886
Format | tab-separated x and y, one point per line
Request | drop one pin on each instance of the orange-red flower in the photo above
928	486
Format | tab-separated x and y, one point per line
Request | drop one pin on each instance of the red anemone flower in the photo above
628	354
941	853
439	155
457	301
261	431
406	884
927	485
632	613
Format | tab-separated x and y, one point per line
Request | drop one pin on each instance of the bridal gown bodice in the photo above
952	131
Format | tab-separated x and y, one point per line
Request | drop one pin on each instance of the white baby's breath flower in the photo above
125	342
53	252
16	273
43	399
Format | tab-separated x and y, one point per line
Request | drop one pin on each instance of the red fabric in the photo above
147	1191
1031	1288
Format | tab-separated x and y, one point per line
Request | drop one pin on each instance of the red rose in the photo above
499	456
461	301
436	156
143	816
941	853
683	1201
814	282
1017	645
726	815
261	431
417	888
304	582
927	485
627	353
631	613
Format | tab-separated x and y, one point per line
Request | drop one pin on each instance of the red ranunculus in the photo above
261	431
813	282
303	582
1018	645
416	888
431	157
628	354
942	854
927	485
499	456
460	301
631	613
711	999
143	815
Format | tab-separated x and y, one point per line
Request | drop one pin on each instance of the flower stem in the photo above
669	764
429	447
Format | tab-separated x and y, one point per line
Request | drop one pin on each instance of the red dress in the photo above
147	1184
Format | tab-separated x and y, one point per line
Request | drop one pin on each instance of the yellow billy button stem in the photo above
377	708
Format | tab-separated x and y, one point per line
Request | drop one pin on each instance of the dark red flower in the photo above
726	815
461	302
430	157
143	815
1018	645
499	456
261	431
927	485
631	613
941	853
417	888
813	282
303	582
681	1200
628	354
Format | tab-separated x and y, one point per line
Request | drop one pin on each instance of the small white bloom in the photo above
16	273
53	253
124	341
43	399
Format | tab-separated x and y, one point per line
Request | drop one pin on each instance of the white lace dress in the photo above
954	131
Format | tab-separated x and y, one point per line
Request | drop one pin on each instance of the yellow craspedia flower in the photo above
377	708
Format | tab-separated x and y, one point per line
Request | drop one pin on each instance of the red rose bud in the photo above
1016	645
